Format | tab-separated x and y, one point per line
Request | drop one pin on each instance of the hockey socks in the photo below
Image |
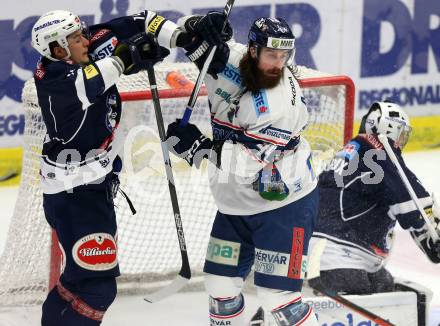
82	304
226	311
295	312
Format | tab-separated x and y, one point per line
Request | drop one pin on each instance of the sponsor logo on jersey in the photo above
96	252
155	24
296	266
275	132
372	140
40	71
223	252
350	150
260	102
232	74
223	94
99	34
271	262
105	49
90	71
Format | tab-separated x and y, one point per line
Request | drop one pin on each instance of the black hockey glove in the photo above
208	32
188	143
209	28
430	248
138	52
435	248
218	62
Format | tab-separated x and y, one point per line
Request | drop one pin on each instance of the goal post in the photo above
148	249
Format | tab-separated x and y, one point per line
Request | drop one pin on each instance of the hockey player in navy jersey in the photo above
261	175
361	198
81	108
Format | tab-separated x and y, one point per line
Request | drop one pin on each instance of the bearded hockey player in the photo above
81	108
261	178
362	198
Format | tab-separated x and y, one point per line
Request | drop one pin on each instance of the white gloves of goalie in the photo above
424	239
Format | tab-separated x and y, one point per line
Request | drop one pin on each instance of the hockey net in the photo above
148	250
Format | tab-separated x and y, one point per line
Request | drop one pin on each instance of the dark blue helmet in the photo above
272	33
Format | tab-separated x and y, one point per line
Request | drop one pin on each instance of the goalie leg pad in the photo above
286	308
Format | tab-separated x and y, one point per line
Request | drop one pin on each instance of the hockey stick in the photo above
195	92
362	311
384	140
185	270
8	176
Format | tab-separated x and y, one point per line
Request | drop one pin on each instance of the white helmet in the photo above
54	26
388	119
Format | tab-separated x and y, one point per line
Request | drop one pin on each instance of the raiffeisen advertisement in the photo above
390	48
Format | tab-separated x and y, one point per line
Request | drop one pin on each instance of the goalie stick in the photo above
384	140
185	270
313	271
362	311
195	92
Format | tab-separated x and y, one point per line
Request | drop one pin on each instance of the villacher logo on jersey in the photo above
95	251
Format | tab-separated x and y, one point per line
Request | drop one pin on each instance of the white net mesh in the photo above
148	247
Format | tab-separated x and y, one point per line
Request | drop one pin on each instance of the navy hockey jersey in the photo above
81	106
362	197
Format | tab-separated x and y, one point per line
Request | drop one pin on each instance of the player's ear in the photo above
59	52
253	52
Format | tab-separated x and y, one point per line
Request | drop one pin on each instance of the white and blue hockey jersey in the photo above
81	106
253	127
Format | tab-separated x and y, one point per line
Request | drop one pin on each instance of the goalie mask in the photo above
273	33
54	26
388	119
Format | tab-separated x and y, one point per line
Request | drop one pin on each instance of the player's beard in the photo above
254	78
